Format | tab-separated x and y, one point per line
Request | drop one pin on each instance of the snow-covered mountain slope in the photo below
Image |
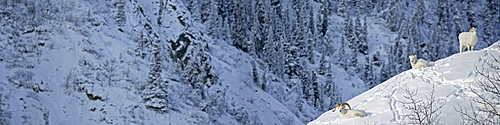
86	65
453	78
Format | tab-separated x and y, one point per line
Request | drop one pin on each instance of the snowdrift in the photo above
453	79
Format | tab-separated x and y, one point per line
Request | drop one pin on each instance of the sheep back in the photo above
353	113
467	38
422	63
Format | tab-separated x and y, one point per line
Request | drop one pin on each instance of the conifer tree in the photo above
415	36
471	14
154	93
239	37
198	72
120	18
343	9
211	18
491	21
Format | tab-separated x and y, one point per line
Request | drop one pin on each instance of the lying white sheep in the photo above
467	39
348	113
415	64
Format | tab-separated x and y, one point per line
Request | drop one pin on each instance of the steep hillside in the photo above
452	79
124	62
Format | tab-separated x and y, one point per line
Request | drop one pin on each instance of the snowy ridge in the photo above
453	79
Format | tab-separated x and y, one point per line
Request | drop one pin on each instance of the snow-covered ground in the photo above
453	78
48	92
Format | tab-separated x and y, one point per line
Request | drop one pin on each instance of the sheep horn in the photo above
470	27
336	105
343	104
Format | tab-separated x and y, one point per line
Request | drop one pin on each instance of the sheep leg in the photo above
471	48
461	48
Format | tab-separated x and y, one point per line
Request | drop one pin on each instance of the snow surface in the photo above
68	44
452	77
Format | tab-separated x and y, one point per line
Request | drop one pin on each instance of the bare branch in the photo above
487	97
424	111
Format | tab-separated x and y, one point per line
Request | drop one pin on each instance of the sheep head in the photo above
413	58
341	106
472	29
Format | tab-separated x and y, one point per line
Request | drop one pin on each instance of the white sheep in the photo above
415	64
348	113
467	39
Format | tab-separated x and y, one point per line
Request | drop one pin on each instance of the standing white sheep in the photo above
415	64
467	39
348	113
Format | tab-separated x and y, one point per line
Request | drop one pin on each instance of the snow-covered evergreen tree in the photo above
240	38
154	93
120	17
343	8
198	72
4	113
415	36
471	13
491	21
